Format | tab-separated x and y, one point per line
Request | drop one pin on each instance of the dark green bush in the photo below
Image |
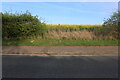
21	25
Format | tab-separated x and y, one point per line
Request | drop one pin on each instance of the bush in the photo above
21	25
112	24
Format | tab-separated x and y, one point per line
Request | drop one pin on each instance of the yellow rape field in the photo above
72	25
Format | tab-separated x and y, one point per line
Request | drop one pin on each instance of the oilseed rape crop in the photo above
71	27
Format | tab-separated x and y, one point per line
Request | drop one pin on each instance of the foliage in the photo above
25	25
112	24
21	25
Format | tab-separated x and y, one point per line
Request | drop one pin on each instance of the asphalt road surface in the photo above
16	66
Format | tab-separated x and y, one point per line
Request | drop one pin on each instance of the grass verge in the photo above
53	42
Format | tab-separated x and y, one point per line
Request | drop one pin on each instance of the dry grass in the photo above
74	35
70	35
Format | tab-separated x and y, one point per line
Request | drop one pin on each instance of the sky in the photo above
60	0
65	12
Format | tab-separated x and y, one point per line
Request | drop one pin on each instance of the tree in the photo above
113	24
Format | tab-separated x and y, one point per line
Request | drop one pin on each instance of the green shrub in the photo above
21	25
112	24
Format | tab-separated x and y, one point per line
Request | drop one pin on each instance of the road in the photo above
19	66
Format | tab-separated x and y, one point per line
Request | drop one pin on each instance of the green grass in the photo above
50	42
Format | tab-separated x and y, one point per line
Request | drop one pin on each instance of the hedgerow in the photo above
21	25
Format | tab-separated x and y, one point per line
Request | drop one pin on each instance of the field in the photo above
66	35
76	32
71	27
25	29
